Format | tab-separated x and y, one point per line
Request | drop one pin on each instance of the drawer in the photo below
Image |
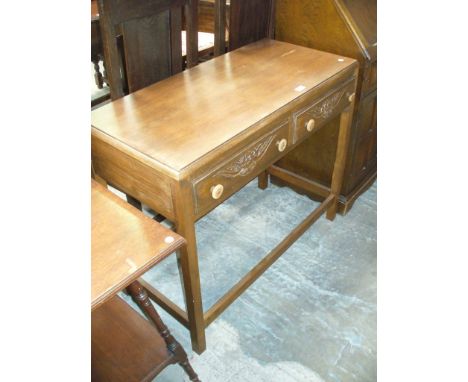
311	117
234	173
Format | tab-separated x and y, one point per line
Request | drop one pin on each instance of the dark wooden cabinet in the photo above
348	28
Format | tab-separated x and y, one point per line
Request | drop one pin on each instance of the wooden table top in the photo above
124	244
177	121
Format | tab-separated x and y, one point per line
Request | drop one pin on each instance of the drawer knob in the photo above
310	125
217	191
351	97
282	144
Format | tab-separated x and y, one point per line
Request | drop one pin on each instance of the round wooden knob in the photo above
217	191
351	98
282	144
310	125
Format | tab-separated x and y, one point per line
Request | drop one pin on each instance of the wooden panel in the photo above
369	82
315	24
366	120
96	40
360	160
206	16
124	346
124	243
364	14
142	42
145	63
132	177
238	170
126	10
309	119
250	21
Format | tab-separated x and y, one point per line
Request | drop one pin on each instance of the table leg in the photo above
187	259
340	160
140	296
263	180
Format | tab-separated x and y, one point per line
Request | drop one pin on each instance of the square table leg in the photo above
340	160
187	258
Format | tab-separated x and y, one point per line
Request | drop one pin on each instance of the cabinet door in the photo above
365	150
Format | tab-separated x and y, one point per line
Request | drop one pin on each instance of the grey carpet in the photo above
310	317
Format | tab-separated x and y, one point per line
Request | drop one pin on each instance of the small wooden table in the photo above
126	243
184	145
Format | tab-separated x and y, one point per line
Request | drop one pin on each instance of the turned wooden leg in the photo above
140	296
187	260
104	72
263	180
340	160
97	72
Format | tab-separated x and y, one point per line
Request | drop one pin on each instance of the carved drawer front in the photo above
231	175
311	117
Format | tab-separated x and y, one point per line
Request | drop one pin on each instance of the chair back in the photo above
142	41
250	21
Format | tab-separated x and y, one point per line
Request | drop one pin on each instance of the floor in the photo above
311	317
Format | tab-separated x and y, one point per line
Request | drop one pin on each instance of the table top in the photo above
124	244
179	120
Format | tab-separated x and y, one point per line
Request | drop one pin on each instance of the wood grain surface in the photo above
124	346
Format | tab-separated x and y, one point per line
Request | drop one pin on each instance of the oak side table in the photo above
184	145
125	243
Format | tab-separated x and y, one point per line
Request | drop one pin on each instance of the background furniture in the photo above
250	21
125	244
349	28
236	23
98	96
96	44
184	145
142	41
143	44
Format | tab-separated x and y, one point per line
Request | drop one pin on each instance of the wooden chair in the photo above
101	95
96	45
143	44
142	41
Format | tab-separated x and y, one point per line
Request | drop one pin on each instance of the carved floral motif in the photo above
325	109
245	164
